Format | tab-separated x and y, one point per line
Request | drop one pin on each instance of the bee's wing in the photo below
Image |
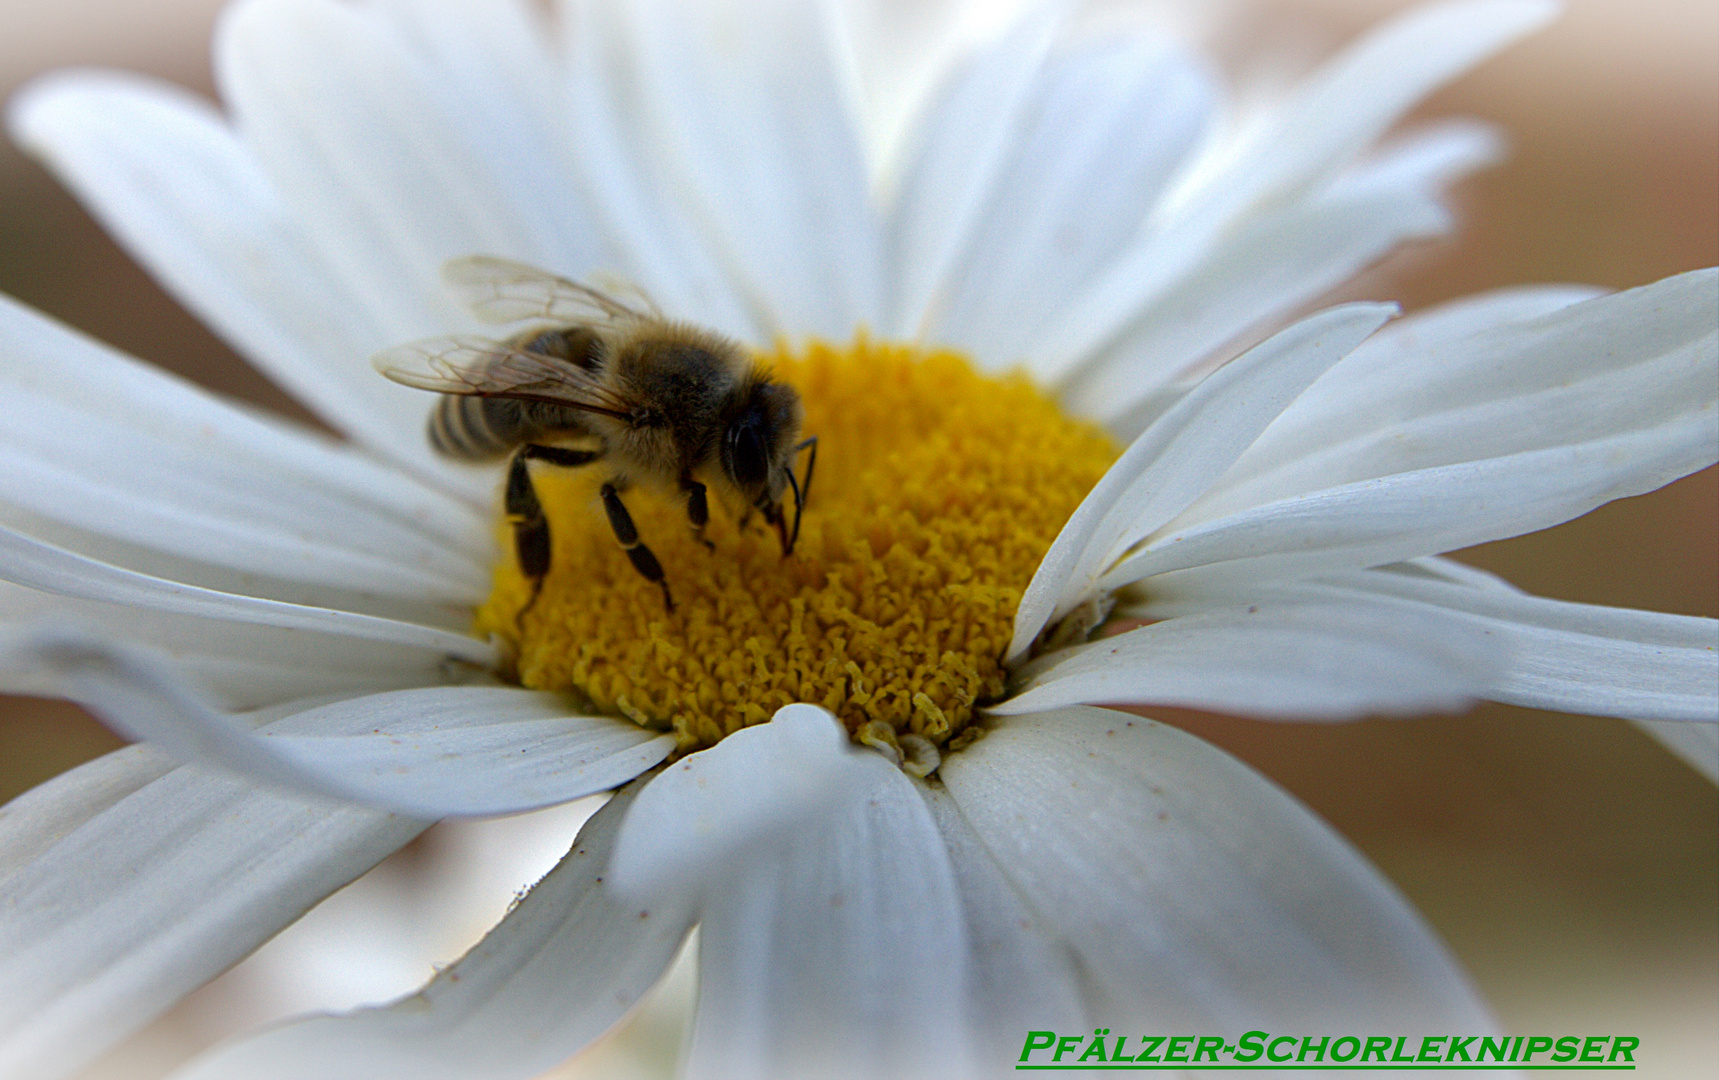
503	291
480	367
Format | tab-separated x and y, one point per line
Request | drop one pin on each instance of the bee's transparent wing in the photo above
503	291
477	366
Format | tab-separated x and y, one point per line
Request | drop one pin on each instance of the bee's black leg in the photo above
642	559
697	508
530	527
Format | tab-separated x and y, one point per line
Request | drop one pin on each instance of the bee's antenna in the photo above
799	506
802	489
811	462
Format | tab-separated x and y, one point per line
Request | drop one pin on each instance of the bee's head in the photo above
758	447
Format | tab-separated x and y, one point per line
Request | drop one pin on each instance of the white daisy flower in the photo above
939	840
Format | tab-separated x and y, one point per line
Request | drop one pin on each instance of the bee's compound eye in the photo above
748	458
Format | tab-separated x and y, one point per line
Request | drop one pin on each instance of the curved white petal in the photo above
1577	658
161	464
839	949
240	665
564	965
1372	522
435	752
1196	894
655	238
1265	271
1359	94
29	562
754	119
956	153
1106	126
1340	109
489	69
1021	975
1697	744
128	906
1474	437
1271	265
1310	659
353	132
708	809
1181	454
550	109
166	175
1499	373
38	819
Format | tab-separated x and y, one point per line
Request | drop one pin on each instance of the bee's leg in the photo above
697	508
530	527
642	559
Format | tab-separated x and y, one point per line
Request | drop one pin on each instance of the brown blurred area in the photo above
1571	863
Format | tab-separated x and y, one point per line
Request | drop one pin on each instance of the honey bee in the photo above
608	381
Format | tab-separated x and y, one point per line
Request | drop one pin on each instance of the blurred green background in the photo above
1571	863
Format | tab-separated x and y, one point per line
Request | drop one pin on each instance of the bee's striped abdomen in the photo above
484	428
479	428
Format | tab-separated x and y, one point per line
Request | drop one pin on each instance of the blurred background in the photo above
1571	863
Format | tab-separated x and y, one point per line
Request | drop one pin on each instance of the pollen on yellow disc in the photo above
938	491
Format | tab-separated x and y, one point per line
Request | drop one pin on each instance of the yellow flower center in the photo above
938	491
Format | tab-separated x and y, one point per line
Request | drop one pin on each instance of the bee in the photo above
605	379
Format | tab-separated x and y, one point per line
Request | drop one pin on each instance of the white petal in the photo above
1349	103
41	817
900	55
30	562
1273	264
1558	414
1442	568
240	665
1180	455
748	101
162	464
839	950
957	153
1500	373
1267	270
435	752
1357	96
542	106
35	821
168	178
1021	975
1577	658
490	76
354	134
1279	659
1197	894
708	808
1425	159
1439	509
1107	125
655	235
1698	744
564	965
129	909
